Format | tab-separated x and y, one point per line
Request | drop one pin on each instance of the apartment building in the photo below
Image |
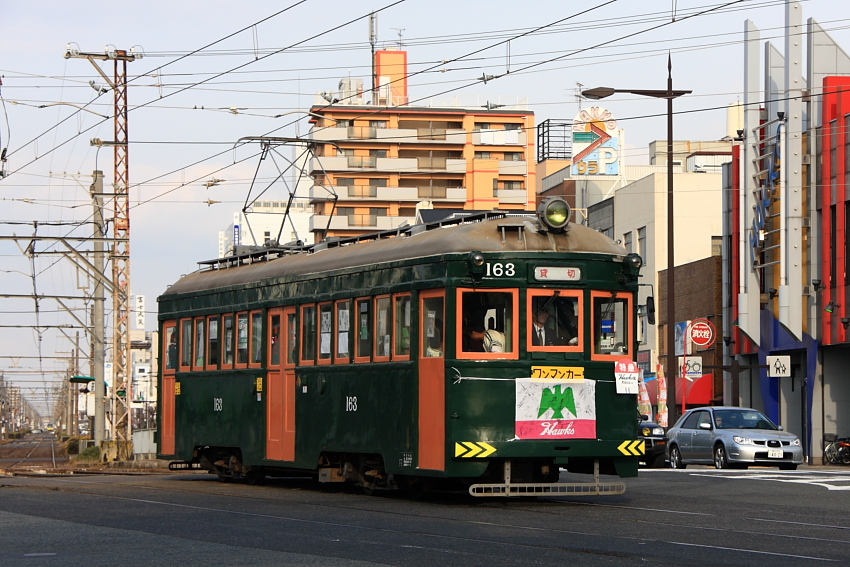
380	157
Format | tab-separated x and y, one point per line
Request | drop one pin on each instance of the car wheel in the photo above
720	461
791	467
676	458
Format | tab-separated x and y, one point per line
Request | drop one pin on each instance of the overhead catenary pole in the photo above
120	417
98	338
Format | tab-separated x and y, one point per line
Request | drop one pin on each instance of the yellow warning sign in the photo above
177	388
468	449
558	372
259	383
632	448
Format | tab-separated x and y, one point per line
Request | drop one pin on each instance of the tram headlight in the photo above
635	261
475	264
554	213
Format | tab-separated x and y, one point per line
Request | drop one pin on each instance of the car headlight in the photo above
742	440
657	431
795	442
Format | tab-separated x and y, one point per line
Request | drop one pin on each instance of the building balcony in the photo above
513	168
511	196
390	165
362	223
499	138
401	194
394	135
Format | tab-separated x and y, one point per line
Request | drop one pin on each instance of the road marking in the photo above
752	551
804	477
800	524
39	554
636	508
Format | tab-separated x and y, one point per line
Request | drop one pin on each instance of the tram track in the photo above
634	516
28	456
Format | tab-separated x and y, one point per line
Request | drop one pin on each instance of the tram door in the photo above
166	396
280	385
432	386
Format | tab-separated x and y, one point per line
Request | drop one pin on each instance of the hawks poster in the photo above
555	409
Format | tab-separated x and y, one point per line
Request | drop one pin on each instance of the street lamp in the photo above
669	94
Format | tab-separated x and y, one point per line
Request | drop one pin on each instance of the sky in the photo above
212	74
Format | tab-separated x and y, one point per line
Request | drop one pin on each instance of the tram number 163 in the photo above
350	403
498	270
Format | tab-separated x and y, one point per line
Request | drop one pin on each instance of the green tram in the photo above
478	353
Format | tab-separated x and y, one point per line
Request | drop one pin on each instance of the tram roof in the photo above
521	234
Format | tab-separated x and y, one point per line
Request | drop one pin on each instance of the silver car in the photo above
731	437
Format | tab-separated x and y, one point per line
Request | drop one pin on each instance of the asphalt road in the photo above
698	516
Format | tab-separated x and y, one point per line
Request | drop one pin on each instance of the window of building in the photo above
345	151
481	126
407	211
482	155
513	156
344	211
378	153
512	185
377	123
509	126
627	242
487	324
642	243
344	181
377	211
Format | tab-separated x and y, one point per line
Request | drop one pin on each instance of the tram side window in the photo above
343	323
228	339
291	329
402	326
171	349
308	333
199	342
186	342
212	342
242	338
553	320
275	340
611	324
487	321
256	338
382	331
325	330
364	342
432	325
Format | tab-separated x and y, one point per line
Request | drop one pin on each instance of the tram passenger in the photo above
543	335
481	340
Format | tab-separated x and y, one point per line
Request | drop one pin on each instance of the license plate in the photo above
774	453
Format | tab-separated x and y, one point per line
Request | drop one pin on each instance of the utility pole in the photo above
98	351
121	418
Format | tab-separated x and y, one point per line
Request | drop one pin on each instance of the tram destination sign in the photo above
557	274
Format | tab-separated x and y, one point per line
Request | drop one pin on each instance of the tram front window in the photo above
610	324
487	321
553	319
